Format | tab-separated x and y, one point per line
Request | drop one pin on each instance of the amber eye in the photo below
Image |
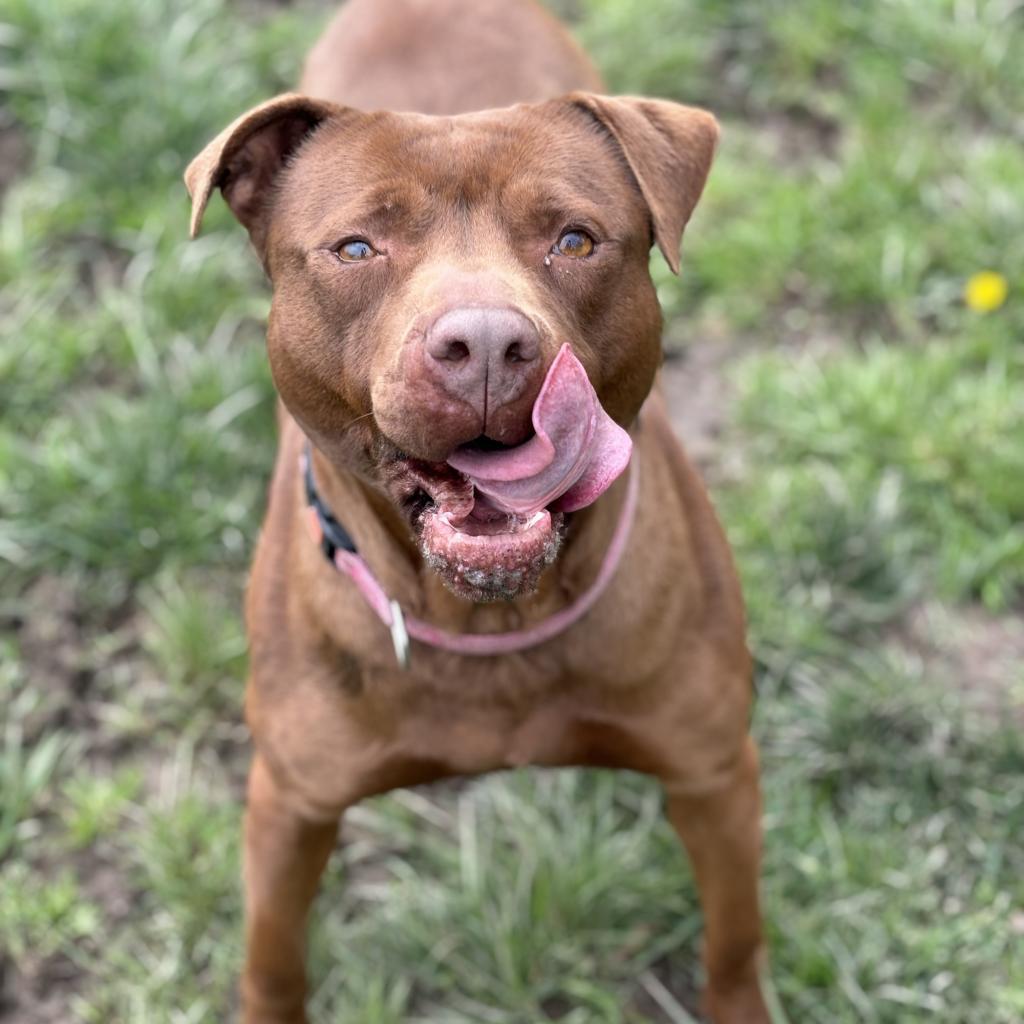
355	250
575	243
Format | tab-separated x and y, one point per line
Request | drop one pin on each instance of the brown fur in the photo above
656	678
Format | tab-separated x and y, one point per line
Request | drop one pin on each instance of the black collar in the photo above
333	536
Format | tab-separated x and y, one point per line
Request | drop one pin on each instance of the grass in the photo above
869	465
28	762
954	491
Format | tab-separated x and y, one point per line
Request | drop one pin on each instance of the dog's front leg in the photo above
285	854
721	831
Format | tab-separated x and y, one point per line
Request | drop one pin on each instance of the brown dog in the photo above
428	272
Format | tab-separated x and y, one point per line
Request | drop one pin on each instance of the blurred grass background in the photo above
861	429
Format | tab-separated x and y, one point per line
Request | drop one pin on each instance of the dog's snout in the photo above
480	338
486	356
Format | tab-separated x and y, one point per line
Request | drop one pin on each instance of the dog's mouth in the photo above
482	552
490	519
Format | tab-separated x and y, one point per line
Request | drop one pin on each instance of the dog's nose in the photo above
487	356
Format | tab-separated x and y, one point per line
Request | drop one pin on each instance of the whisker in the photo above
352	423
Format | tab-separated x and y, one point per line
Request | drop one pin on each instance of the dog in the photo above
484	547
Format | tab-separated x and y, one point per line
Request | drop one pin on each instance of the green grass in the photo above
870	465
930	434
29	757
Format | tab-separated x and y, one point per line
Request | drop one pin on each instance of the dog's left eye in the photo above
355	250
575	243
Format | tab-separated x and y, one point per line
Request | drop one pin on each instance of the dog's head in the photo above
428	273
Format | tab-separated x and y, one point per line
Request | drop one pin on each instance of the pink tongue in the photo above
577	452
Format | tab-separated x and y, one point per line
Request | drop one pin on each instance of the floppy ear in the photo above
669	149
246	157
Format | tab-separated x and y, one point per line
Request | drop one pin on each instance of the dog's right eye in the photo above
355	250
575	243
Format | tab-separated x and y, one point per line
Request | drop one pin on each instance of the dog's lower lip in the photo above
482	552
490	559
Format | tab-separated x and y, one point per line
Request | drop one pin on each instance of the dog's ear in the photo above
246	157
669	149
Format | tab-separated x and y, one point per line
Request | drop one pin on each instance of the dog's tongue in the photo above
574	457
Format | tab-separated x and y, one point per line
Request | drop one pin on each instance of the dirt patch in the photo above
699	398
37	991
797	136
977	651
663	988
51	640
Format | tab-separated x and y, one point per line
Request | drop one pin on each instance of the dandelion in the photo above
985	291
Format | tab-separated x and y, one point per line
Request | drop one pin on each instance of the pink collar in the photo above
347	560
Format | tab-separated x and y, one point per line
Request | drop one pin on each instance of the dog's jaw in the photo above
497	559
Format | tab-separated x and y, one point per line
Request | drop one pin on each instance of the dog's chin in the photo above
490	557
480	552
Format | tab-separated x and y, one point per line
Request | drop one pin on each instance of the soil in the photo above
972	649
37	991
697	393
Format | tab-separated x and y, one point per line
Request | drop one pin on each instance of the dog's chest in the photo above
474	740
500	715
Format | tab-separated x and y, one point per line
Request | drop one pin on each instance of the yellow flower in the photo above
985	291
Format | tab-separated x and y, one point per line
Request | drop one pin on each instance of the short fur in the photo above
656	678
